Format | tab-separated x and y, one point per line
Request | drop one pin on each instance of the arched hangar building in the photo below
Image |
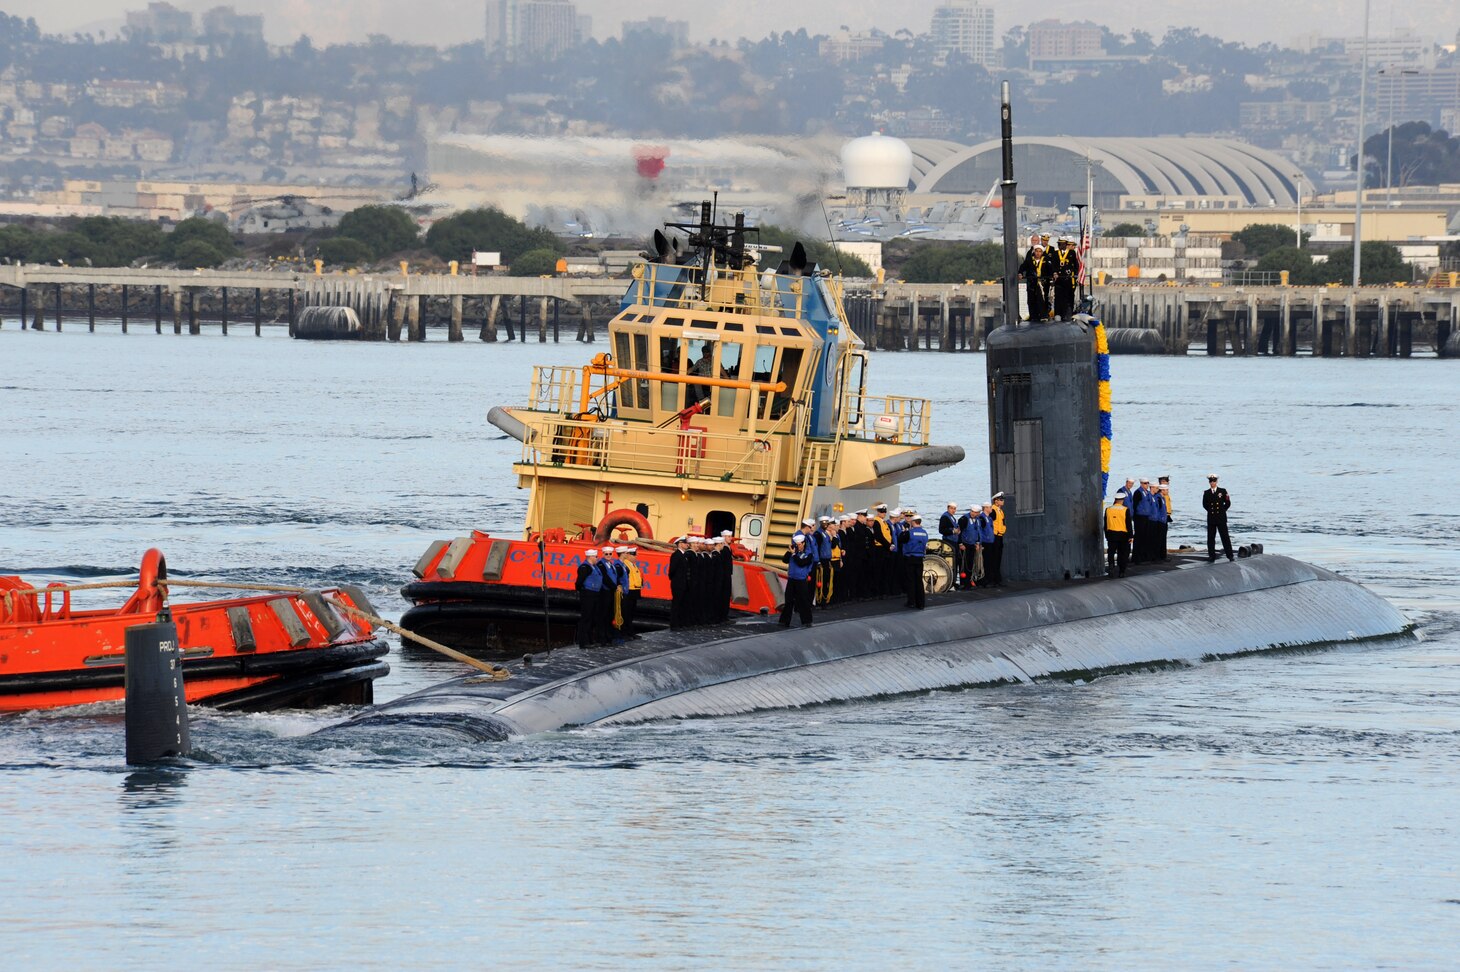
1050	171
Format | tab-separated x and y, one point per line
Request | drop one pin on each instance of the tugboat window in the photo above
790	367
765	360
641	363
701	363
621	351
730	354
669	355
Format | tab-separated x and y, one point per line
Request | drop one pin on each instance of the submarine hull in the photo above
1195	613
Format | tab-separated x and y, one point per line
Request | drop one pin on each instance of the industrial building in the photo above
1224	172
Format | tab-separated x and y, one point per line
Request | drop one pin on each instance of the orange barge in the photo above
250	653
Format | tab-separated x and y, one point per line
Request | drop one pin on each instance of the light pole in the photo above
1359	181
1389	161
1299	228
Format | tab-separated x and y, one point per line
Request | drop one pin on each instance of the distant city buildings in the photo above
966	27
1417	94
844	47
1052	43
162	23
223	22
534	27
1402	49
159	22
676	30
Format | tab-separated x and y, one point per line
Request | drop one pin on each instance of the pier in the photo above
1383	321
1388	321
390	306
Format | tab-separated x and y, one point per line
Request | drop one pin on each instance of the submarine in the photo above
1061	617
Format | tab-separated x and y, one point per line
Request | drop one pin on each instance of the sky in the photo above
452	21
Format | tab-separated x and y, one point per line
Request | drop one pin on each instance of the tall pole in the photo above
1298	230
1011	215
1389	158
1359	195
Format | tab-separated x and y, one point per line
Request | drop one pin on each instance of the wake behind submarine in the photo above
1063	619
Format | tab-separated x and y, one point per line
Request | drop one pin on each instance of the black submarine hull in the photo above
1195	613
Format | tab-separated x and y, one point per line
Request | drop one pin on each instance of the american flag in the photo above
1085	253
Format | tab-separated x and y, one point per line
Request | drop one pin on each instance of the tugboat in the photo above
733	399
249	653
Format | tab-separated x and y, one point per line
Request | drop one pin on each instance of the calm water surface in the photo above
1287	811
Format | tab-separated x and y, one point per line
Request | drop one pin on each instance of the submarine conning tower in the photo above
1044	448
1044	423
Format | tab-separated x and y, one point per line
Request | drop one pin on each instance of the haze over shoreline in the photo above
445	22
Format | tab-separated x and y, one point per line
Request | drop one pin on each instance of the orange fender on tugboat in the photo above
486	594
251	653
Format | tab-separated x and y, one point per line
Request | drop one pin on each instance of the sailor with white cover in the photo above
800	563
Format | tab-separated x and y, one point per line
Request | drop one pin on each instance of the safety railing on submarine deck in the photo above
885	418
736	291
689	453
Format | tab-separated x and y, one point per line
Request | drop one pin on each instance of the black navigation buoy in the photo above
157	710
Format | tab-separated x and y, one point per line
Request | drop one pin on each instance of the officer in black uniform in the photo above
1038	272
679	584
1216	502
724	576
699	582
1066	275
856	543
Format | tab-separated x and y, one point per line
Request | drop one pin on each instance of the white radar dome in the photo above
877	162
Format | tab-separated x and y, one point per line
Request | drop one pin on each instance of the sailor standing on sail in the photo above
1037	271
679	584
589	585
1066	274
914	547
800	562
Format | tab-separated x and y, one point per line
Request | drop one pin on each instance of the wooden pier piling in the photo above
493	306
454	334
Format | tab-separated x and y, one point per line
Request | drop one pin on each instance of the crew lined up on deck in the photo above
609	583
701	572
874	553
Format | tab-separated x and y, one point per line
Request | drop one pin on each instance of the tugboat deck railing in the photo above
729	291
885	418
555	388
646	449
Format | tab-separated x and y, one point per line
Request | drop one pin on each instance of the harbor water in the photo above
1294	810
